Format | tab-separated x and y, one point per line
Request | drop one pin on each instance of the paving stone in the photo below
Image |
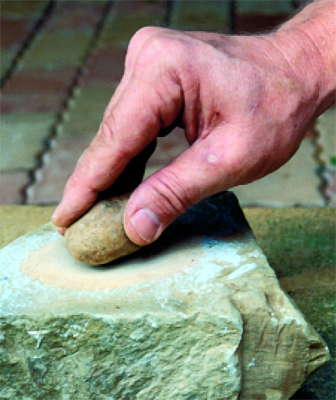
255	23
211	15
106	63
17	21
58	164
11	185
16	9
50	52
264	7
326	139
122	24
13	32
103	70
6	60
79	127
105	66
37	90
31	102
77	14
213	325
295	183
86	111
326	127
40	80
21	138
329	175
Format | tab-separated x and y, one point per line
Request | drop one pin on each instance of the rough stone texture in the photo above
300	245
295	183
98	237
174	338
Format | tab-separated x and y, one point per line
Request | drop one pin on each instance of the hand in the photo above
244	106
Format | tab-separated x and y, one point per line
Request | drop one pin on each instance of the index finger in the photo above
124	132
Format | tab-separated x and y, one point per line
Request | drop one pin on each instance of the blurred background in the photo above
61	61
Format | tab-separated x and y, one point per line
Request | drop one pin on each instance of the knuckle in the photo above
165	46
174	198
141	36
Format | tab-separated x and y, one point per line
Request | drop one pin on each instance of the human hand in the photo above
244	106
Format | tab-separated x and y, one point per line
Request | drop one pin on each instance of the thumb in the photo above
166	194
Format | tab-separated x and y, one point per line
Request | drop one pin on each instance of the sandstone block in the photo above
198	315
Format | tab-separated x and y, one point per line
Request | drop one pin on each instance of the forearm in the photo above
309	42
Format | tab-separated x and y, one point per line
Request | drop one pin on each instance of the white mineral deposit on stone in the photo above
241	270
252	363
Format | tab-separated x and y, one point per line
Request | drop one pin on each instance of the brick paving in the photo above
18	21
53	100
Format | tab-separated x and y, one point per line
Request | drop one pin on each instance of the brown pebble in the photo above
98	237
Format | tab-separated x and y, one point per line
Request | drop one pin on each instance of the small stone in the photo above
98	237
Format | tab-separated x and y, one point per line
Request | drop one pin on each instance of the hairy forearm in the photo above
309	42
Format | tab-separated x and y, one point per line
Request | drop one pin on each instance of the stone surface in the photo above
19	9
300	246
329	175
98	237
121	24
257	23
295	183
73	136
18	19
22	137
200	15
198	331
40	56
11	186
326	127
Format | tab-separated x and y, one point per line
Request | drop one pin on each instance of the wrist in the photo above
308	44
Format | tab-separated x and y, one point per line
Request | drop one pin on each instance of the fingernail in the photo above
54	216
146	224
61	231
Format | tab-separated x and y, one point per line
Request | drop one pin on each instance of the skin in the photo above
245	103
